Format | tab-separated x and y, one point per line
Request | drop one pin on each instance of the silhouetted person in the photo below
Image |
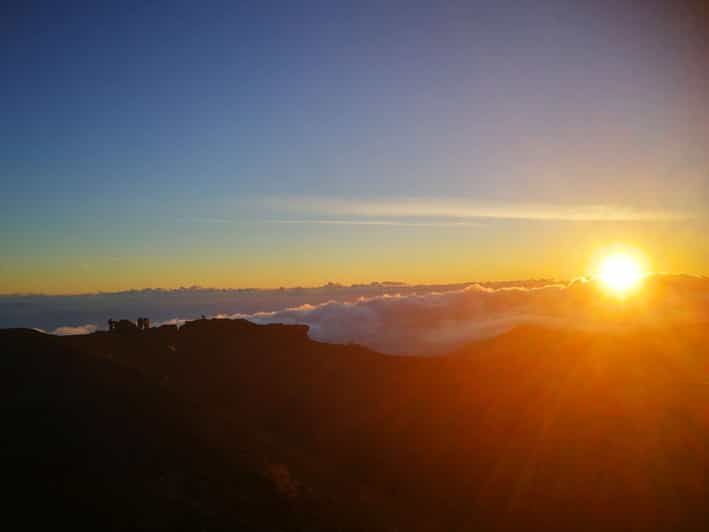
140	324
111	324
146	323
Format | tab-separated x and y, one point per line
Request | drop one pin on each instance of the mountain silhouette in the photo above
228	425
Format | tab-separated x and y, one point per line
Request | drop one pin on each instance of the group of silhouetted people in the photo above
116	325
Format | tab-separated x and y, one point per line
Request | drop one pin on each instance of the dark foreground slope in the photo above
93	444
230	425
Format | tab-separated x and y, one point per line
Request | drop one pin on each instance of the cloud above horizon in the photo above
416	210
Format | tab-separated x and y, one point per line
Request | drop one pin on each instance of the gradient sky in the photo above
234	144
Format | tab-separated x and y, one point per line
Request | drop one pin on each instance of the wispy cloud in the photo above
207	220
458	210
394	223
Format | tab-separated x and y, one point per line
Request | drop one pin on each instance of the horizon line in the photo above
330	284
337	285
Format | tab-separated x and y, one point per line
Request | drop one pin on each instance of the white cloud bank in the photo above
429	321
433	322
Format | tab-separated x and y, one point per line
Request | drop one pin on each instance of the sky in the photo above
267	144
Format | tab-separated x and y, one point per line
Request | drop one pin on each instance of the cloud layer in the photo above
434	322
401	319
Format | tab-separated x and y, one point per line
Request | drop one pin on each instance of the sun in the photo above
620	273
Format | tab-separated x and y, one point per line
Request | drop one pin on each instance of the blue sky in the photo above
165	143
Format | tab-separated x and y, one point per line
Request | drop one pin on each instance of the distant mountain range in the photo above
229	425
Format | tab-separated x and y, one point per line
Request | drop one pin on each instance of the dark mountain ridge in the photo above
230	425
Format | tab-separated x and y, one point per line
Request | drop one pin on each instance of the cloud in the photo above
402	319
49	312
79	329
433	322
419	323
410	209
393	223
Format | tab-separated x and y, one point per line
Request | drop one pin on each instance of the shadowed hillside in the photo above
230	425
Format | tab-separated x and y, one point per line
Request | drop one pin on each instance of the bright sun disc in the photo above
620	272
